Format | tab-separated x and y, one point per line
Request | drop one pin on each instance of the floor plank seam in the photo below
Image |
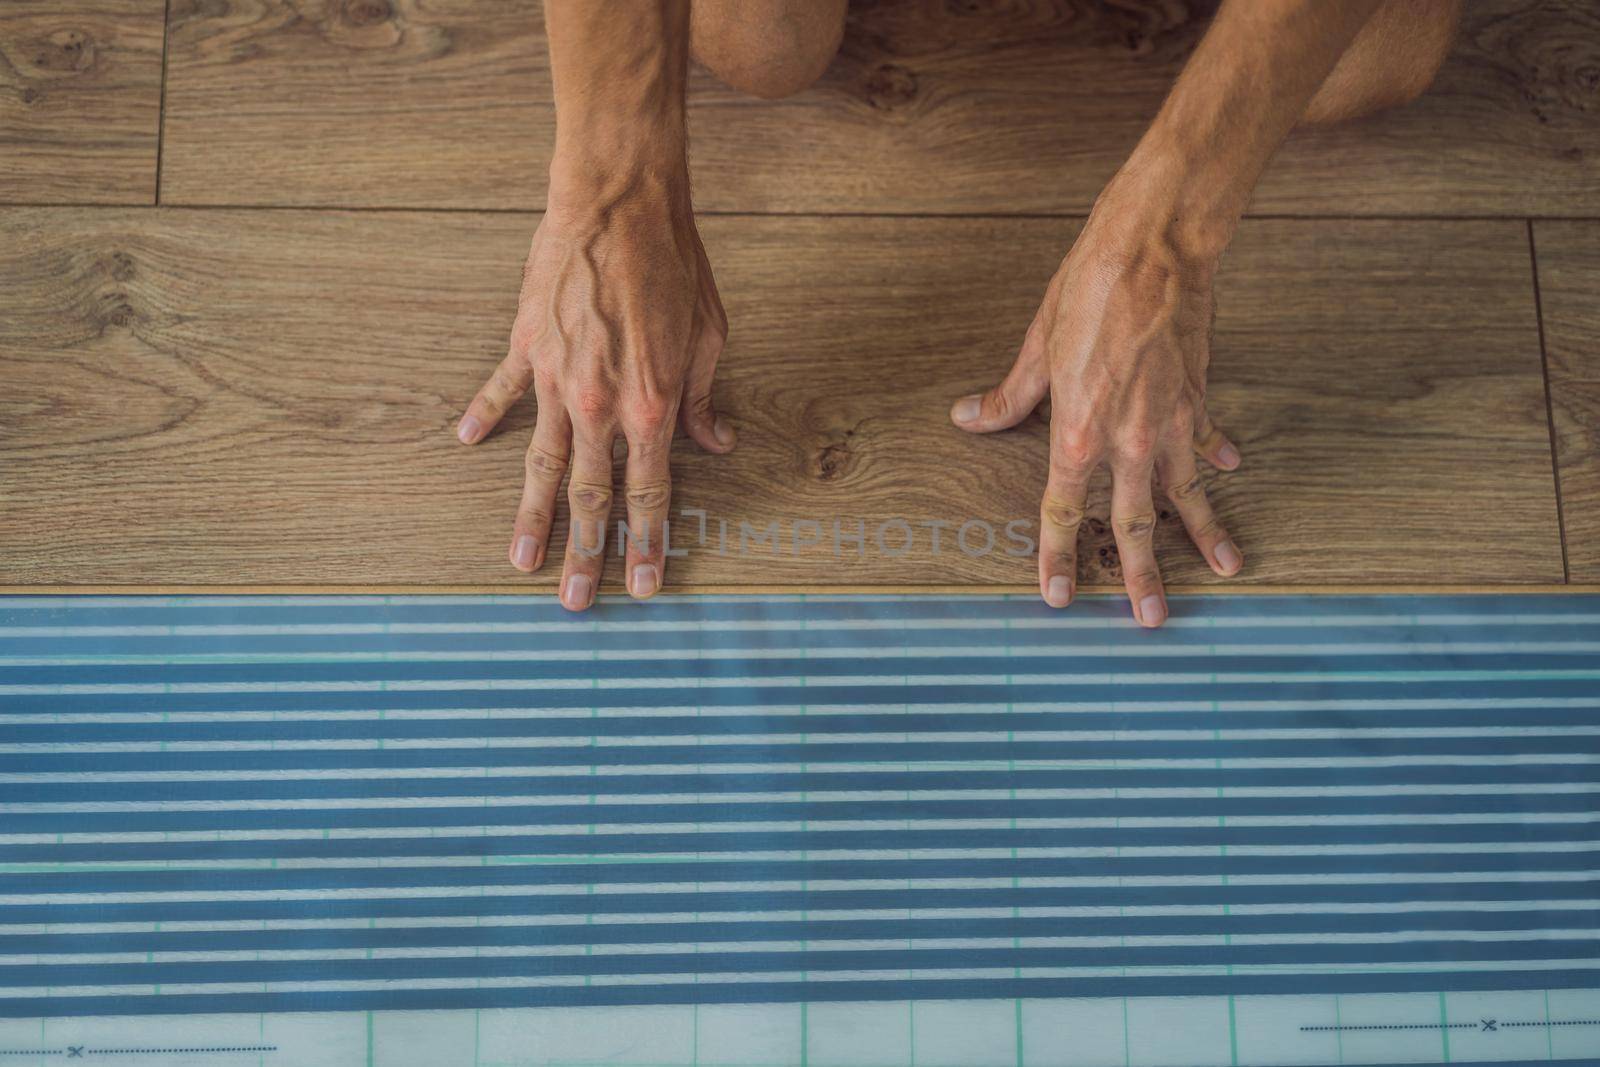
1066	216
161	107
1549	403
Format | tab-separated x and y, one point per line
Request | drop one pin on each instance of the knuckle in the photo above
1139	444
589	497
1211	529
699	406
651	496
1075	450
1188	490
504	381
649	415
533	517
1058	512
1145	578
543	463
1137	526
593	403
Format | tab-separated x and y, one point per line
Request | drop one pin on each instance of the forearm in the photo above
619	71
1245	88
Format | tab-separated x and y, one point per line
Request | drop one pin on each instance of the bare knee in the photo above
1392	61
768	48
1432	26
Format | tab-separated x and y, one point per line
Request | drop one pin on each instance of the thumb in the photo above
1214	445
699	417
1009	402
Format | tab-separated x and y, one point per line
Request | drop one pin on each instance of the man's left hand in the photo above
1121	345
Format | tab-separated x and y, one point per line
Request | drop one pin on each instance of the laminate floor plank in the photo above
931	107
1569	287
219	396
80	100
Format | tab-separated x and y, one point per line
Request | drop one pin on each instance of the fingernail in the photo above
722	430
522	552
576	597
645	580
1229	456
1229	557
1058	591
1152	612
468	430
967	408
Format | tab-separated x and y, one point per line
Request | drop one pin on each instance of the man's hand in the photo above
1122	341
618	333
619	325
1120	344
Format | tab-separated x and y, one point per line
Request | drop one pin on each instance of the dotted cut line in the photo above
143	1051
1393	1026
77	1050
1488	1024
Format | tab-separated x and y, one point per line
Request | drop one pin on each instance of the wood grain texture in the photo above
1569	287
234	396
931	107
80	100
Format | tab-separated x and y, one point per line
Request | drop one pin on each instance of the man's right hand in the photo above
618	331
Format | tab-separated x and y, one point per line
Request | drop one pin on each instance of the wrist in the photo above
1190	199
619	73
649	134
585	182
600	144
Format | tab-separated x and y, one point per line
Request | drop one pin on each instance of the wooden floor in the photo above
255	257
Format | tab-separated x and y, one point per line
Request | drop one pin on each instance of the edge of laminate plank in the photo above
1501	589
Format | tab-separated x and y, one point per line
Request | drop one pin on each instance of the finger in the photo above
648	491
545	464
1012	400
1211	443
589	498
699	417
505	387
1133	519
1187	491
1060	515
